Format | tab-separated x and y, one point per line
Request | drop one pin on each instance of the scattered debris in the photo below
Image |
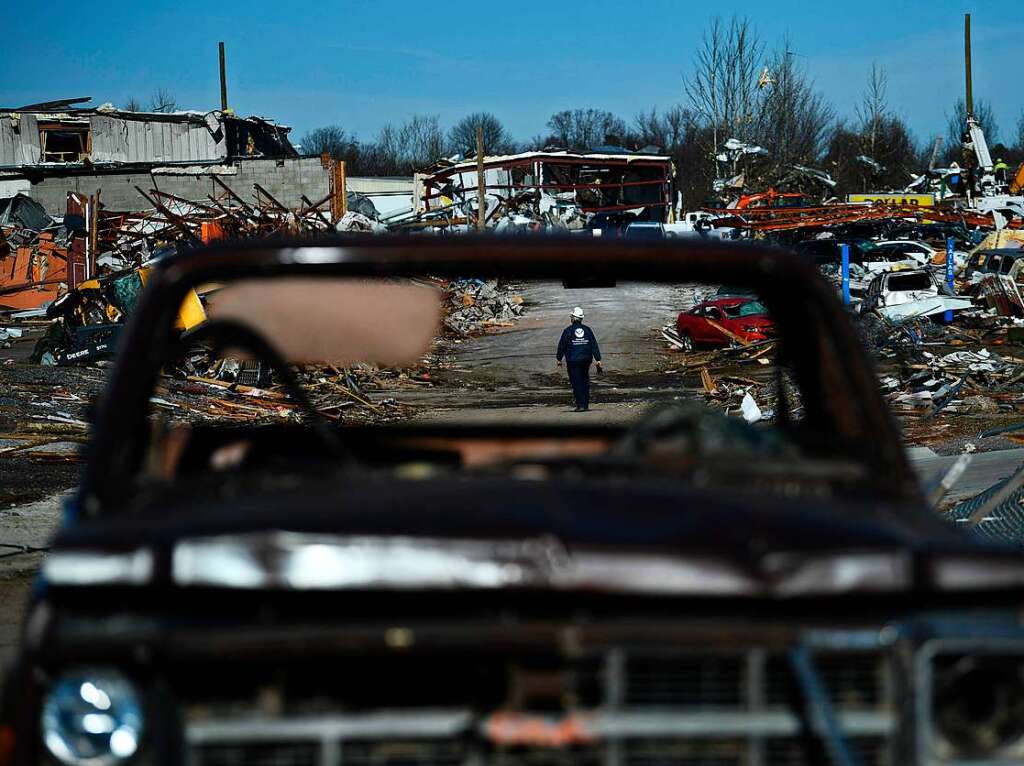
473	305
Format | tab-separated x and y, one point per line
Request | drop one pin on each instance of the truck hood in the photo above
653	538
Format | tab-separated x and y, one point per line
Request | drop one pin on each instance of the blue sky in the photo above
361	64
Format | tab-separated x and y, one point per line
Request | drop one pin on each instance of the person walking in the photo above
578	346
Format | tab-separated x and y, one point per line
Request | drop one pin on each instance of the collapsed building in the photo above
56	147
548	187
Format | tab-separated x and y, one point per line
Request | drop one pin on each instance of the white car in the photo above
901	295
645	230
920	252
878	260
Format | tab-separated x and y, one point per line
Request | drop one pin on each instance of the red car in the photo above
720	321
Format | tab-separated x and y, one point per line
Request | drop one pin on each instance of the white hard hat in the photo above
577	313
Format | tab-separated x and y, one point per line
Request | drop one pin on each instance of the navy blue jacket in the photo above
578	344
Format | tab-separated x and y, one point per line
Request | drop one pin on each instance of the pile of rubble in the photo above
67	322
475	305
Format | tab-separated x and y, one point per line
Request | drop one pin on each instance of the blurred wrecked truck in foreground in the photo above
685	588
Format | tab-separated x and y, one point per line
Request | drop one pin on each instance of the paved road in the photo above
510	376
626	320
33	525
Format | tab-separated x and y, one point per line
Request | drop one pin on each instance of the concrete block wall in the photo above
286	179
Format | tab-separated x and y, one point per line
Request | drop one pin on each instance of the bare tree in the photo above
794	120
1019	146
462	136
538	143
582	129
896	152
330	139
383	156
412	146
422	141
957	123
873	108
723	88
132	105
666	131
162	101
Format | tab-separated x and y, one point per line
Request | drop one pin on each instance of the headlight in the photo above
978	705
92	719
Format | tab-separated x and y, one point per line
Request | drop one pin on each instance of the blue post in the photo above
846	274
949	274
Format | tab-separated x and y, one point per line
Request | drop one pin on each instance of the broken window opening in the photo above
910	282
63	142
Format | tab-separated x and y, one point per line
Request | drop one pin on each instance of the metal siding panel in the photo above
170	142
179	142
201	142
138	150
132	140
6	142
100	145
159	141
102	150
30	149
153	143
207	142
187	141
119	135
167	133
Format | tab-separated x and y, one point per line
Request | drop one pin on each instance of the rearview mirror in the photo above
383	323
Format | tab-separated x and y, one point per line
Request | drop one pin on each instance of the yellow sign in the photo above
913	200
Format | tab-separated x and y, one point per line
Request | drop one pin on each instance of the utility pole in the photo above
223	80
481	186
969	103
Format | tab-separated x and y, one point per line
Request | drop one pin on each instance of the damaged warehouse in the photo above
58	133
50	149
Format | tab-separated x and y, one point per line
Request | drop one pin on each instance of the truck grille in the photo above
711	681
261	754
854	680
404	753
687	753
637	708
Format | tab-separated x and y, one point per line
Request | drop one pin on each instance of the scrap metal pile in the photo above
69	286
77	281
769	219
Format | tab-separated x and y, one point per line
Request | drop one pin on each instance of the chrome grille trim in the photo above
443	725
399	724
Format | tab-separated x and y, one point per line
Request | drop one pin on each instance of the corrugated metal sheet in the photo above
28	140
6	141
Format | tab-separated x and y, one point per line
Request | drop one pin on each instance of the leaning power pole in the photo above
223	80
969	102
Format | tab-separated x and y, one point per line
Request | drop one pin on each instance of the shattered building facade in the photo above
41	136
49	149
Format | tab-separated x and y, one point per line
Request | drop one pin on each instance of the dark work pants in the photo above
579	379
